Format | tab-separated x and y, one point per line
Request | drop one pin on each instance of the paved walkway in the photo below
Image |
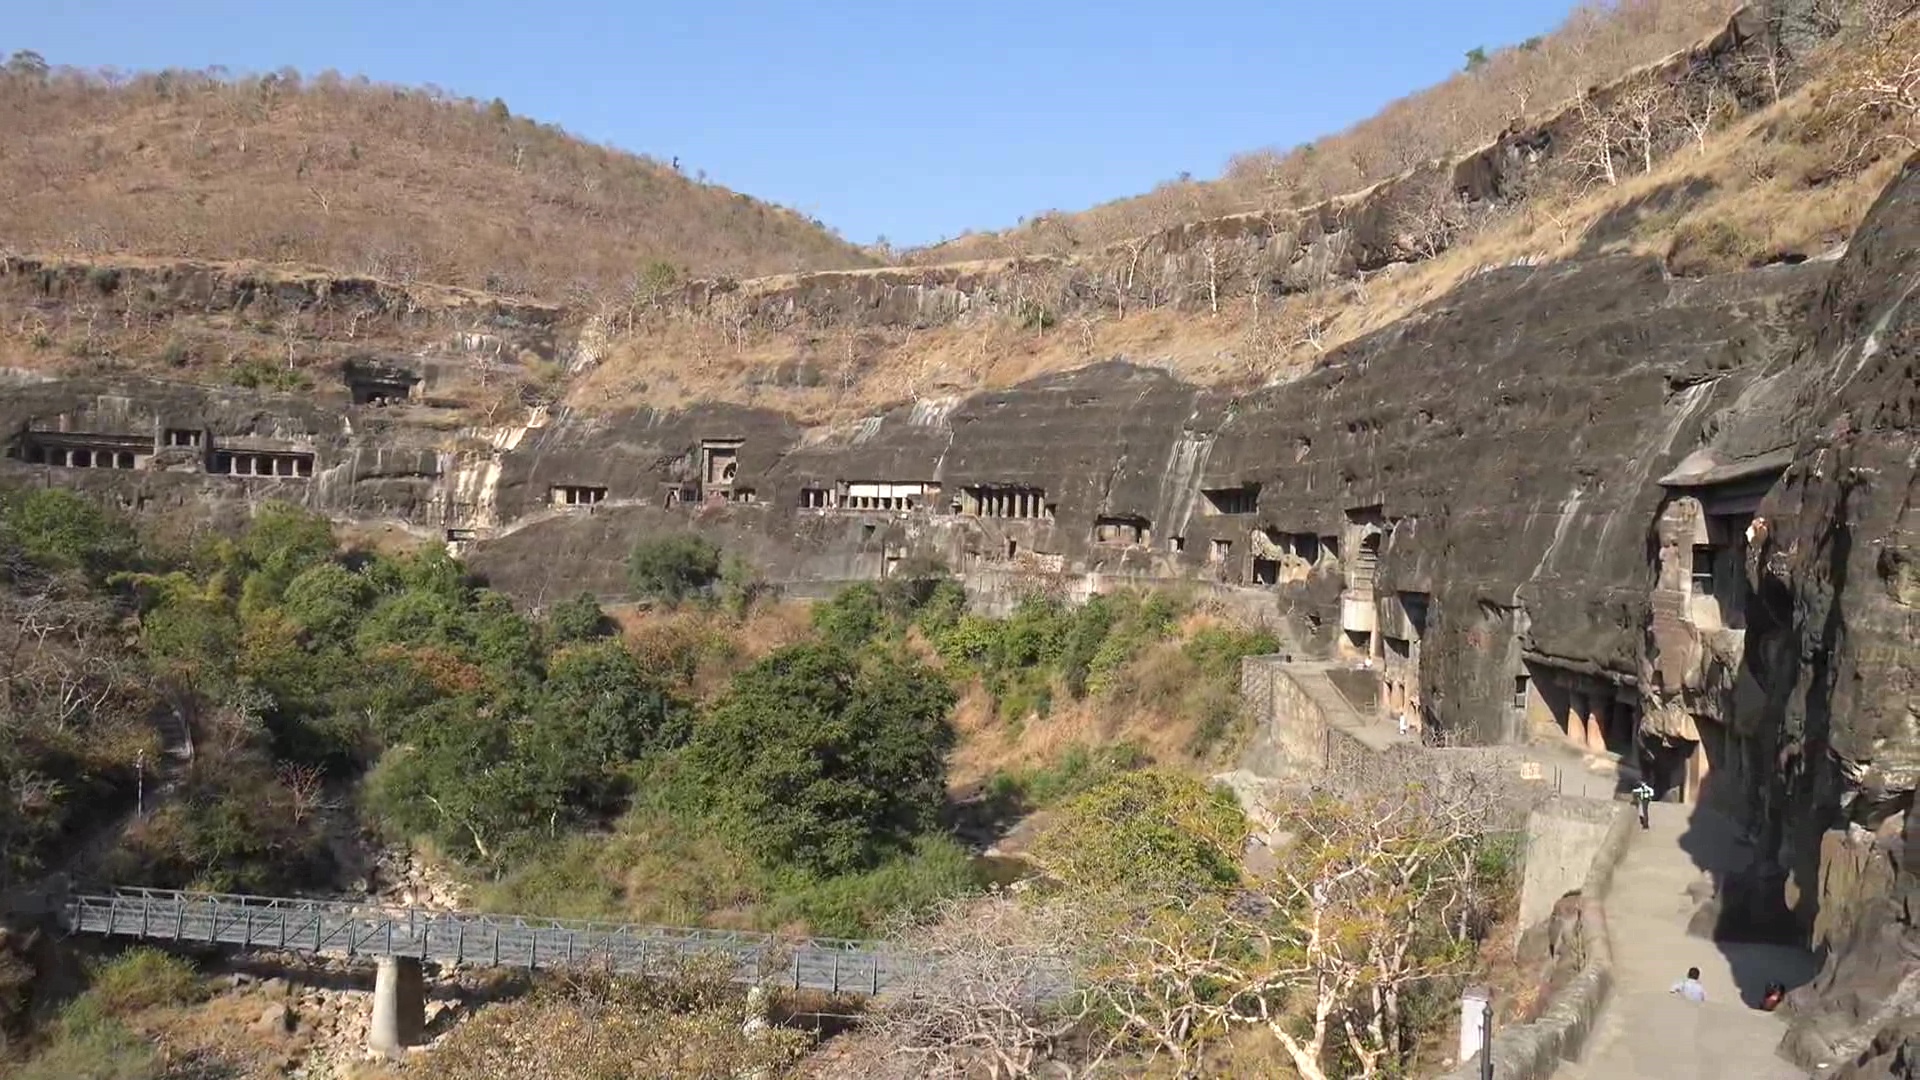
1645	1033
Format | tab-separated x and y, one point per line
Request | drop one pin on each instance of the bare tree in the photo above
1602	133
306	789
1373	911
1645	109
1874	101
1426	213
1701	109
991	994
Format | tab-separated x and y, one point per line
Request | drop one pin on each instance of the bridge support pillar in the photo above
399	1006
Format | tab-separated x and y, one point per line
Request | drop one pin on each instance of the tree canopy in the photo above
828	761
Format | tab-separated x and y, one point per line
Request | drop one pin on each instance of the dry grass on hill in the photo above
398	184
1152	713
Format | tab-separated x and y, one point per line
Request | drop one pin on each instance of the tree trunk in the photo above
1306	1058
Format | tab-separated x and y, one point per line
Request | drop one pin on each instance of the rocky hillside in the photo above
1733	153
364	179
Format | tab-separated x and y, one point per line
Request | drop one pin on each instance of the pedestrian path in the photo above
1645	1033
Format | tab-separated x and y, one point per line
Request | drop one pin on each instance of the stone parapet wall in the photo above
1534	1051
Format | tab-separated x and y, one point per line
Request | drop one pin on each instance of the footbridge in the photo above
400	940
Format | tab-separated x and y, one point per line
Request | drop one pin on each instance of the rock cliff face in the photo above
1834	635
1667	521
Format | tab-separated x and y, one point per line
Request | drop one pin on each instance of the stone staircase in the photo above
176	738
1320	681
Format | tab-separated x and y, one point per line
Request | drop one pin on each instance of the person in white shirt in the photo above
1690	987
1642	797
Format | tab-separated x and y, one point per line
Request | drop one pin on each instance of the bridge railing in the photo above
372	930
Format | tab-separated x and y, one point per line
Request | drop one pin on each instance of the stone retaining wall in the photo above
1535	1050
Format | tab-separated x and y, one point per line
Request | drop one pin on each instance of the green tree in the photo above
282	542
578	618
502	639
946	602
1476	58
1091	624
462	781
605	707
60	531
414	617
671	569
189	632
818	760
1034	635
326	601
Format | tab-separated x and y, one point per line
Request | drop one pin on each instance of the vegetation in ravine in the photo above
567	767
675	767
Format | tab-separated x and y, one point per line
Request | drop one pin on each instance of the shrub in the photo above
88	1044
256	374
1151	832
1034	635
1218	650
854	905
741	586
943	607
1080	768
672	569
233	827
852	618
1090	628
1706	244
1218	709
607	1028
972	641
578	618
143	978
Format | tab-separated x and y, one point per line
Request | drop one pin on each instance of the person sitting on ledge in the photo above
1690	987
1776	993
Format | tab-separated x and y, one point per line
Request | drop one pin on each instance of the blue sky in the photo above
908	120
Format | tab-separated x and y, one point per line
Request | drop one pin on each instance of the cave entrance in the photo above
1266	571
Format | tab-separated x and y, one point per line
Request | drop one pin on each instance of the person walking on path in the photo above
1690	987
1643	795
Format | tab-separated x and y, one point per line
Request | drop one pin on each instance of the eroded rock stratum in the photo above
1670	521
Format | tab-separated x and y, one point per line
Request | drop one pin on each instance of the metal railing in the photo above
361	930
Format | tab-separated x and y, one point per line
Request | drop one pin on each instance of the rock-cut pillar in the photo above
399	1006
1598	709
